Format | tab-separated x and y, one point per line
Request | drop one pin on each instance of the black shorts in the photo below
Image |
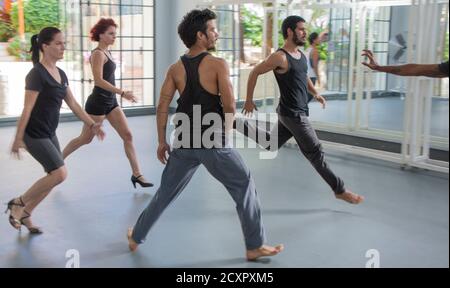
46	151
99	105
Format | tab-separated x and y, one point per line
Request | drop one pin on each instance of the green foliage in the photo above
446	47
253	29
253	26
6	31
15	47
38	14
315	26
280	33
323	51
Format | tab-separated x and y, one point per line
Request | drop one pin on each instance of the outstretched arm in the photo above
427	70
273	62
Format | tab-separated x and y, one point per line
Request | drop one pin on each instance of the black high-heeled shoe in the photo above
143	184
31	229
17	224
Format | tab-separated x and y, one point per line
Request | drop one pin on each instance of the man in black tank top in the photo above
203	82
291	72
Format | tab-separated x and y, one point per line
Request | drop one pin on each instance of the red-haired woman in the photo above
102	103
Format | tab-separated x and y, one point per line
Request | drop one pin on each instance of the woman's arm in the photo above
82	115
30	101
315	59
98	59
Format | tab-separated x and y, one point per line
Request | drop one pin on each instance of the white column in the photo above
275	32
359	68
181	8
351	65
275	29
168	45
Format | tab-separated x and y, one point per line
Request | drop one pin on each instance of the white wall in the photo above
169	47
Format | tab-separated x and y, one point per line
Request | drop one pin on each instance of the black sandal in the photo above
31	229
13	221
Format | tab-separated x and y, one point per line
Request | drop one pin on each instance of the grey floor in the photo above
405	217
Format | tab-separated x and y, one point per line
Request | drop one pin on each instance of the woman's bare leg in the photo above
85	137
120	124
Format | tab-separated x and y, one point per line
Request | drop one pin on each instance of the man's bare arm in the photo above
319	98
167	93
226	93
273	62
427	70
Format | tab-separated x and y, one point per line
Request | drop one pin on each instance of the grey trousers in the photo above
227	166
301	129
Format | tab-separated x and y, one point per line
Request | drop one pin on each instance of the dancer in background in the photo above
102	103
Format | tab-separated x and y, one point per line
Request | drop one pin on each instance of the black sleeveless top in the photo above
194	103
293	87
109	69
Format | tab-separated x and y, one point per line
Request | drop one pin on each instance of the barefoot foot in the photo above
131	244
350	197
264	251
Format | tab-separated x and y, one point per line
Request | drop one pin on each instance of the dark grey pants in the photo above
227	166
301	129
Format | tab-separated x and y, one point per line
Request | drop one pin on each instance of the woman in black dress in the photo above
102	103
